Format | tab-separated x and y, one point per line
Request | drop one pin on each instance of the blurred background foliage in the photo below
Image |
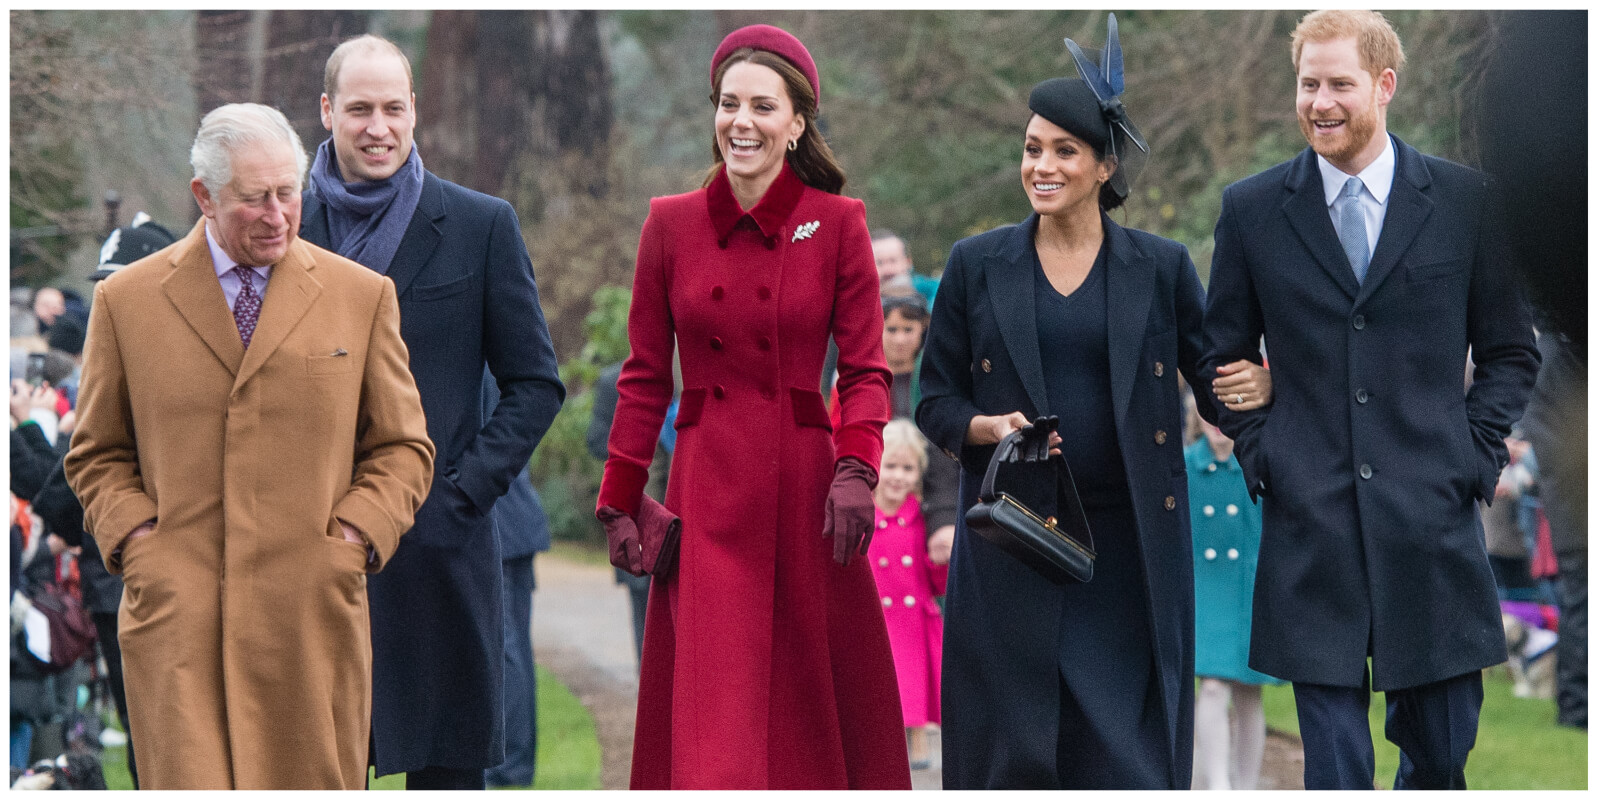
579	117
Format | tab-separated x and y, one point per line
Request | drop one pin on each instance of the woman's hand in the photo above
990	430
1243	385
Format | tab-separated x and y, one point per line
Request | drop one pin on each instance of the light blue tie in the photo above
1353	228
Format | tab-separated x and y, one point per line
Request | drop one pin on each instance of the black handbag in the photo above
1060	548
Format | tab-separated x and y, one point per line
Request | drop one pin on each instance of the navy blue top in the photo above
1077	379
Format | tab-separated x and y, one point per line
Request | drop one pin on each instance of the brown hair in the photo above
811	160
365	43
1376	42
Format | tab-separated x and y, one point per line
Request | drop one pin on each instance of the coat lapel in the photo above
193	289
422	235
1009	275
290	292
1130	284
1307	210
1409	207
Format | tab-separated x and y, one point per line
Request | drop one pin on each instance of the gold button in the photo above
1161	437
1160	369
1170	503
987	367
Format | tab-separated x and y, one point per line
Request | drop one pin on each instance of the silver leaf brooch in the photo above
805	231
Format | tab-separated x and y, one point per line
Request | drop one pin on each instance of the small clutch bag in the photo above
1059	548
659	533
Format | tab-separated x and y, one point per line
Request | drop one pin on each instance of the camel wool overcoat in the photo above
244	630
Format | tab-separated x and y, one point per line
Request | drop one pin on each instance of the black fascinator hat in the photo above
1090	107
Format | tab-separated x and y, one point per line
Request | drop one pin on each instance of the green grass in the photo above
592	555
1519	744
569	751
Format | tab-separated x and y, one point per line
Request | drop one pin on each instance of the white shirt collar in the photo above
1378	177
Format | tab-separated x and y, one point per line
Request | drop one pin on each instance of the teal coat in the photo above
1227	536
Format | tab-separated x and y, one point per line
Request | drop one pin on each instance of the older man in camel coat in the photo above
250	446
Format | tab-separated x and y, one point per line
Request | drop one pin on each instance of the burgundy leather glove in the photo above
848	517
622	539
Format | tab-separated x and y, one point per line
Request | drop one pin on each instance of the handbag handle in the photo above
1002	451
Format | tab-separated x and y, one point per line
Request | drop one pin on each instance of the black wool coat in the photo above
1003	619
1371	457
467	300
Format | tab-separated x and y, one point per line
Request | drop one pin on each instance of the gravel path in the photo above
583	634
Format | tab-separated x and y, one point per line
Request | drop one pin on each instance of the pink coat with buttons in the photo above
907	585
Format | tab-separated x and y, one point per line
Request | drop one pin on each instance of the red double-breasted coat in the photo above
766	664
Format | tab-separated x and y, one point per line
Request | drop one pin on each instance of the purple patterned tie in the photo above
247	308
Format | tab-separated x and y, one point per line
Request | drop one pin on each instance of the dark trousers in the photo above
521	688
1434	725
105	626
1572	642
444	778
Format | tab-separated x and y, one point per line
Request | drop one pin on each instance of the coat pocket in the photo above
330	365
690	404
809	412
1432	270
441	290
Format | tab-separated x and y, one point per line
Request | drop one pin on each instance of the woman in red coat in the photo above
766	664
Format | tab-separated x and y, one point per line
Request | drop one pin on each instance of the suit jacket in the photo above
244	626
1002	619
467	300
1370	456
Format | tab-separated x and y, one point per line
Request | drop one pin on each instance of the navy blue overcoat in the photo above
1003	619
1371	457
467	299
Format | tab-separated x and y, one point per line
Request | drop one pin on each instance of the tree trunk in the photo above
446	119
222	45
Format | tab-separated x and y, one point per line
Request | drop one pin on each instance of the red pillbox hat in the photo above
773	40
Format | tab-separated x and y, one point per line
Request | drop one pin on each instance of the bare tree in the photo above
297	49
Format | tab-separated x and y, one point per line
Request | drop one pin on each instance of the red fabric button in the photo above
765	343
764	293
716	293
716	343
717	391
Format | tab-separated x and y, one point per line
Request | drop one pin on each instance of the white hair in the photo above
227	129
903	433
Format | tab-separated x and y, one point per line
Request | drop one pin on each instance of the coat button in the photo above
1233	510
1233	554
951	454
1366	472
717	391
905	561
716	343
887	602
764	293
910	601
765	343
1160	369
1169	503
883	523
1211	554
1212	467
1161	437
987	367
1209	511
1359	323
1361	395
883	562
716	293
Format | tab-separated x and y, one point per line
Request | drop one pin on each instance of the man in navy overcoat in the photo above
467	300
1372	271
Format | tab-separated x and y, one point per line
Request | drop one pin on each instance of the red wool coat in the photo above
766	665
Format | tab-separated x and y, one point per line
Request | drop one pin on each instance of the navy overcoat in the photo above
1371	456
1003	619
467	299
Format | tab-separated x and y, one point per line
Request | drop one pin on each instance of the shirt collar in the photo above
224	263
769	213
1378	177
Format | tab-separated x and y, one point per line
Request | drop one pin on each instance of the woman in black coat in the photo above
1085	685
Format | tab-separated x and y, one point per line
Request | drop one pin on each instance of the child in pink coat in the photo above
908	582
